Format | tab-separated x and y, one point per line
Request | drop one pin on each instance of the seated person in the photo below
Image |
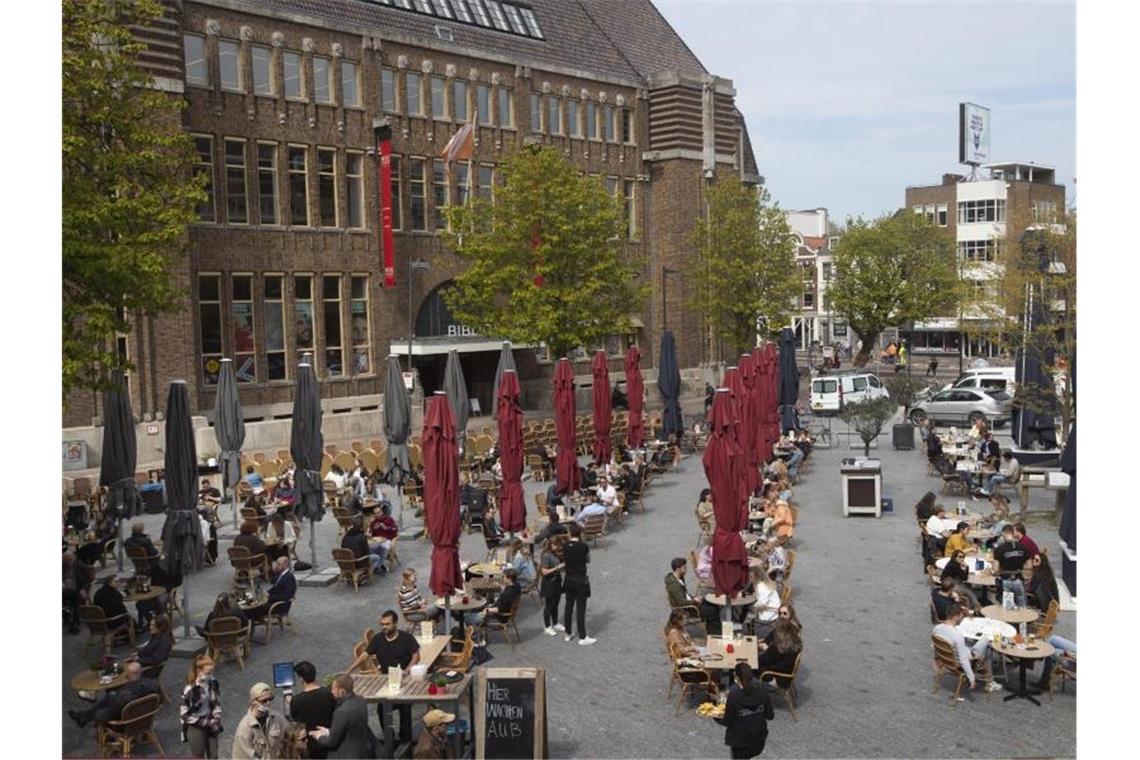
622	454
285	492
1066	651
1010	472
958	571
253	478
110	704
553	528
491	530
944	597
554	497
968	657
777	560
283	589
618	399
590	510
157	648
280	537
77	580
337	477
679	595
631	480
208	494
607	494
247	538
939	526
521	562
473	501
1011	558
765	610
780	653
926	507
1043	584
110	599
355	540
933	447
783	524
411	600
1027	543
705	512
507	598
382	530
677	639
223	608
958	540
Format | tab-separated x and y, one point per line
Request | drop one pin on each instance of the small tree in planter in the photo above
904	388
868	418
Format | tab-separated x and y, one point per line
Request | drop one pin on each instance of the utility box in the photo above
862	484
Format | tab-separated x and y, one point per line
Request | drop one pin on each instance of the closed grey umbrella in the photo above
789	380
455	386
506	361
306	445
397	426
669	384
182	531
1035	407
119	456
229	429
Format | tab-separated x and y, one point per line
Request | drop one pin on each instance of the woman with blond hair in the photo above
201	709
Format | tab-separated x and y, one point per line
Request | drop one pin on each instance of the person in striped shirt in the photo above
411	601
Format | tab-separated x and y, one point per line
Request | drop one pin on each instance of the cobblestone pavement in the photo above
865	685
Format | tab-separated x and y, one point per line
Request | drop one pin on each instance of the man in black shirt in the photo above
110	599
1011	557
508	596
944	598
357	541
576	584
553	528
313	706
392	648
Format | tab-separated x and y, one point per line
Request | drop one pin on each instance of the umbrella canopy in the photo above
789	380
635	387
736	399
748	430
602	444
306	445
1068	527
455	386
441	495
722	461
1035	409
229	425
565	425
669	384
512	505
772	398
397	423
120	450
182	530
506	361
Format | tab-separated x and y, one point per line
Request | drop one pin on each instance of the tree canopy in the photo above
893	270
745	264
546	262
128	189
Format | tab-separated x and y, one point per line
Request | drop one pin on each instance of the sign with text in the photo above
973	134
510	713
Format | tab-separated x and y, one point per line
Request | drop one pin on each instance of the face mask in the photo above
262	710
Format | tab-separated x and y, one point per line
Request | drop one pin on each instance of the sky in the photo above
849	103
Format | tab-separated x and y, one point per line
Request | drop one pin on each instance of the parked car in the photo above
829	394
964	406
987	379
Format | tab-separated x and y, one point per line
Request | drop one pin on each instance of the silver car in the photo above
964	406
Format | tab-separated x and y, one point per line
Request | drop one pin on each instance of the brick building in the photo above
282	102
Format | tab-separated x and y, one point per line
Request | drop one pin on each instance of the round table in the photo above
246	605
484	568
941	562
1024	654
985	628
740	601
89	680
457	604
1014	616
144	596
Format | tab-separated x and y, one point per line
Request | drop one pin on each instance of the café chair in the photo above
353	570
1043	628
343	521
369	667
154	672
108	552
791	555
539	469
594	527
703	586
946	663
789	691
106	629
227	636
135	726
692	679
786	593
637	498
412	619
459	661
139	558
278	613
504	623
331	492
246	565
1064	670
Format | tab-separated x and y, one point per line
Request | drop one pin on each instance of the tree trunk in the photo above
866	448
863	356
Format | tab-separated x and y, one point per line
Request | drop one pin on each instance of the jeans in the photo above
992	482
405	732
1063	646
794	462
785	495
379	549
550	611
1016	585
376	562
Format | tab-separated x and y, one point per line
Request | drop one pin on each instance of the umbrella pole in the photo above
447	614
185	608
119	542
400	519
313	544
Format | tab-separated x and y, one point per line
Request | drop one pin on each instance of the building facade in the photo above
283	100
813	320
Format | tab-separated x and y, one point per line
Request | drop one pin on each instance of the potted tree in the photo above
868	418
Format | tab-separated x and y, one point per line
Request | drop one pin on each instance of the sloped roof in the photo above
643	36
751	170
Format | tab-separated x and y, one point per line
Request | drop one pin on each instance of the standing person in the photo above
576	584
261	733
550	589
1011	558
201	708
902	365
746	714
932	367
313	706
392	648
349	735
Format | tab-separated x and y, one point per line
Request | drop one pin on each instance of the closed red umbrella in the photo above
602	444
635	387
566	465
722	460
747	371
733	382
441	495
769	402
512	505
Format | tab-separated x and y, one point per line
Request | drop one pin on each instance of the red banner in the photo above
386	242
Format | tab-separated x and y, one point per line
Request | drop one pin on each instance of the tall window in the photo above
535	113
334	335
241	309
462	172
417	188
322	79
237	211
326	186
275	365
629	193
204	147
304	326
291	68
298	186
497	17
459	100
481	16
943	214
210	324
267	182
349	90
608	123
626	125
574	123
506	108
358	309
981	211
228	68
388	101
554	114
415	95
978	250
483	104
438	107
484	187
591	121
439	193
262	70
194	54
397	205
354	173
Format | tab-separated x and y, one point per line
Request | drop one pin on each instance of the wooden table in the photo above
88	680
738	601
145	596
1023	654
261	599
483	586
486	569
373	688
978	628
745	648
1015	616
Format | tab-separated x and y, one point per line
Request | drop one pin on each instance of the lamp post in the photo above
421	265
665	301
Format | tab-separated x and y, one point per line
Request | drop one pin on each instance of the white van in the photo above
830	393
987	379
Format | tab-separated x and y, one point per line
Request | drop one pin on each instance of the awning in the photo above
442	344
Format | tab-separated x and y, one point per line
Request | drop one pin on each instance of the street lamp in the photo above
421	265
665	301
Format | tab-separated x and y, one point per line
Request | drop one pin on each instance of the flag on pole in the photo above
461	146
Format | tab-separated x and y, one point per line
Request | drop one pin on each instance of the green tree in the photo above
546	260
128	189
745	267
868	418
893	270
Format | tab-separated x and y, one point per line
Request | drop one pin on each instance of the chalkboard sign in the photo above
510	713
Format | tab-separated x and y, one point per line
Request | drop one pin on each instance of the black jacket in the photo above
356	541
284	588
156	650
349	735
124	695
109	598
746	716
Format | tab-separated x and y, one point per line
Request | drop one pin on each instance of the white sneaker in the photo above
993	686
569	637
587	642
560	628
549	631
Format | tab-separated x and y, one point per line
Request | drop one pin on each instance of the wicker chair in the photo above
692	679
539	469
246	565
594	527
353	570
228	637
278	613
139	558
789	691
459	661
102	628
134	726
505	623
946	663
1043	628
